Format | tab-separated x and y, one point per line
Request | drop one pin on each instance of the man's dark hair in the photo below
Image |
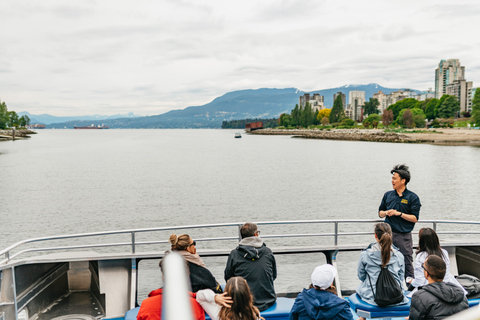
248	230
435	267
402	171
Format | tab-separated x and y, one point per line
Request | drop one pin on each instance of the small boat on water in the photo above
238	135
92	276
92	127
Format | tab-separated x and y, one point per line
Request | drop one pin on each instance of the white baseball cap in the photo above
323	276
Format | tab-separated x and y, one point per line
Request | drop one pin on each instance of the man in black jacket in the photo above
253	261
438	299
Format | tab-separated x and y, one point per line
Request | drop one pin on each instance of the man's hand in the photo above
393	212
223	300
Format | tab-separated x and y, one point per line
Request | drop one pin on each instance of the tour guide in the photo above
400	208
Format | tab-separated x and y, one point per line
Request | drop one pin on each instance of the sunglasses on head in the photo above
194	243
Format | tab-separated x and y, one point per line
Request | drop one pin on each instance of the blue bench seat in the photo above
366	310
280	310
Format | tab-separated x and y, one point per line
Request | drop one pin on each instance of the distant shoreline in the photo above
453	137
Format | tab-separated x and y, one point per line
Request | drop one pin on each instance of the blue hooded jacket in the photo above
313	304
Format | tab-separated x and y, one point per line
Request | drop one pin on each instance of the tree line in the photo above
240	124
10	119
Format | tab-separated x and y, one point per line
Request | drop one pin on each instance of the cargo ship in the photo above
92	127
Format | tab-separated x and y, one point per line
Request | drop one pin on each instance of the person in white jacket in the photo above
428	244
236	302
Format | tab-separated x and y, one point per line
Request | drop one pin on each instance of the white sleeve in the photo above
419	279
206	298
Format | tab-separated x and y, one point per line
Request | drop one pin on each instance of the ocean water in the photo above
76	181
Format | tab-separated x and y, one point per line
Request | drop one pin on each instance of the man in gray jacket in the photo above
254	262
438	299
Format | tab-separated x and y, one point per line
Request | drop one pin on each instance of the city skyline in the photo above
109	57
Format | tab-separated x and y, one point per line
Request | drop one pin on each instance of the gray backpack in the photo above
470	283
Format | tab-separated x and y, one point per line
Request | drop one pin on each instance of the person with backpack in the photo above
379	263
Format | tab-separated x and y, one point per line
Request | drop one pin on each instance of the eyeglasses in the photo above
425	268
258	231
194	243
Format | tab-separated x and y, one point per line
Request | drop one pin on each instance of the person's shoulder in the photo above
410	193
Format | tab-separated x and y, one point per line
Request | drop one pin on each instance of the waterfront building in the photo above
344	98
316	101
382	99
460	89
470	96
447	72
356	99
429	94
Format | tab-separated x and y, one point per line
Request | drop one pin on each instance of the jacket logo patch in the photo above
405	201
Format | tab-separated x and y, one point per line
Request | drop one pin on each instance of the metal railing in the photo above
133	243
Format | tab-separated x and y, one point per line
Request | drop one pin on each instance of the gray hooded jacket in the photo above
437	300
254	262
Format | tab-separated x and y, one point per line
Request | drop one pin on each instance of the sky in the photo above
83	57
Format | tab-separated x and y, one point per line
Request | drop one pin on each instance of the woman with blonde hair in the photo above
200	276
378	255
236	303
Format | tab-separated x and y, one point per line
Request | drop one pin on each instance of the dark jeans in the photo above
404	243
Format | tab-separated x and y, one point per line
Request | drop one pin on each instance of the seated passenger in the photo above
254	262
200	276
377	255
320	300
151	308
235	303
429	244
438	299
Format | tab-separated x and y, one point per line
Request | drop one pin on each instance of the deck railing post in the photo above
239	233
336	232
435	226
133	241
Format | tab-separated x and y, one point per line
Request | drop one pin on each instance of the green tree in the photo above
323	113
24	121
448	107
285	120
337	112
12	119
3	115
325	121
371	107
307	116
373	120
347	122
430	108
419	120
296	116
415	111
408	103
476	108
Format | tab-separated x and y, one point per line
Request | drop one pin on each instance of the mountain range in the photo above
49	119
252	103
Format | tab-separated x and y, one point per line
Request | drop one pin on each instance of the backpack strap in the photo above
369	280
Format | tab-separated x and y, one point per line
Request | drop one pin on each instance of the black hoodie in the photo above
254	262
437	300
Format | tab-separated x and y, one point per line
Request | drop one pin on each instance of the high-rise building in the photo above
447	72
382	100
356	99
460	89
470	96
316	101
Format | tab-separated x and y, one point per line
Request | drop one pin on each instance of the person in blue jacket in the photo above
320	300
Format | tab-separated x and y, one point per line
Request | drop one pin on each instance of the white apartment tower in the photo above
356	99
447	72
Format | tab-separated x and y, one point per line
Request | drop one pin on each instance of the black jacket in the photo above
201	278
437	300
253	261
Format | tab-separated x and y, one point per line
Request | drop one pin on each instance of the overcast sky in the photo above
79	57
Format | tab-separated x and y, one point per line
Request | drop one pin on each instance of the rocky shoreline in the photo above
19	134
342	134
446	137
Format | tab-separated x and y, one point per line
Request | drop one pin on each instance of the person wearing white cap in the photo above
320	300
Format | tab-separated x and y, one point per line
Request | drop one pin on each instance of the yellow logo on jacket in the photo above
405	201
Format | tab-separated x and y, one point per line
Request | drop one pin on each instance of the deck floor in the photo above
74	306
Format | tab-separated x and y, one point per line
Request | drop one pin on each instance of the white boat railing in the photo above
9	253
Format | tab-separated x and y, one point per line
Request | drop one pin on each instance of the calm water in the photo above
72	181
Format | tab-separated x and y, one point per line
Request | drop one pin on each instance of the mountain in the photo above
48	119
259	103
